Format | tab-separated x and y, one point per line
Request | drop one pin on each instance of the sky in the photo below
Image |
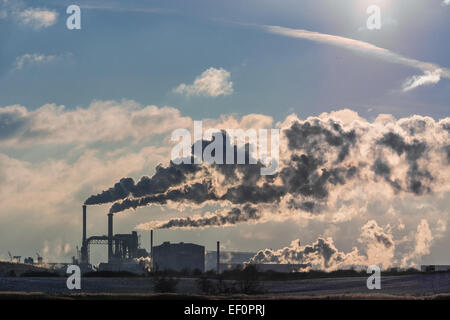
82	109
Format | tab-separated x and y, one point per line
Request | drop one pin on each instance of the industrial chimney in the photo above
110	237
151	243
151	249
84	225
84	252
218	257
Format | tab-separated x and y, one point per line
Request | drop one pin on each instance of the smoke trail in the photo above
323	159
178	175
235	215
162	180
196	193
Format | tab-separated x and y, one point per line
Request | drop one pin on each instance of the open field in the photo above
19	268
407	286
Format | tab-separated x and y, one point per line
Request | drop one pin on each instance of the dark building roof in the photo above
179	256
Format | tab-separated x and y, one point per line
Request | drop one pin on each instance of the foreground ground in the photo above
406	286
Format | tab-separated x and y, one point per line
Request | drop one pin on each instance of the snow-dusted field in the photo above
411	285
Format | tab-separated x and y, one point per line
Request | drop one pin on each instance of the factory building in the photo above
179	257
123	249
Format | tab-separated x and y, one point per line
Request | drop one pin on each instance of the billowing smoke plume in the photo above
327	163
195	193
423	241
323	254
379	243
162	180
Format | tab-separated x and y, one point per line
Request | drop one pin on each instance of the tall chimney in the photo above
151	243
84	225
151	250
218	257
110	237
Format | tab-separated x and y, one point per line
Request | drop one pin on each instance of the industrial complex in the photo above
124	251
126	254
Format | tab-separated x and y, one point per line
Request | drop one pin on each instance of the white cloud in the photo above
33	59
445	2
428	78
433	72
38	18
211	83
59	181
105	121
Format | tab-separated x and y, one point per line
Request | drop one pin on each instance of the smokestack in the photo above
84	225
218	257
110	237
151	249
151	243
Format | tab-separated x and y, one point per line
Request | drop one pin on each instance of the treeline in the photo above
269	275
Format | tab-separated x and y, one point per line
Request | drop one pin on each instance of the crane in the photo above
14	258
39	258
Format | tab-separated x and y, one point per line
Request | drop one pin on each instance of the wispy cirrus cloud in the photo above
211	83
432	73
428	78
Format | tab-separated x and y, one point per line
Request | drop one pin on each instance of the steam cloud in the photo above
323	159
323	254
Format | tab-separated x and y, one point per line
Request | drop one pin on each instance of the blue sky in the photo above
126	52
136	53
